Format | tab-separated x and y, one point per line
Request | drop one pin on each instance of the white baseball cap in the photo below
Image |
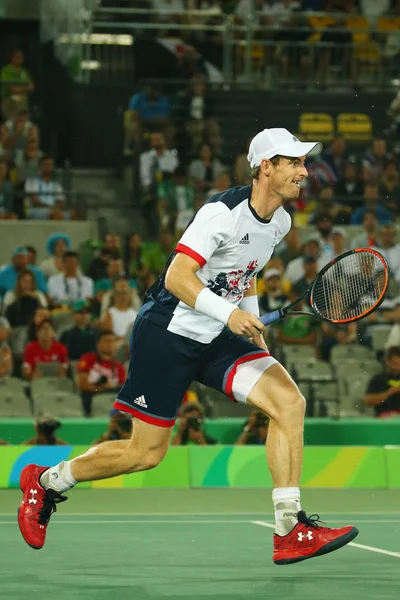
270	142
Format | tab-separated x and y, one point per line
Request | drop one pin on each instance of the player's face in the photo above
286	177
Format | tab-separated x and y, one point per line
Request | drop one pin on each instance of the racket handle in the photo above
271	317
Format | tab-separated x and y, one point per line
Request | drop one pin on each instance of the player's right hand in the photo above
245	323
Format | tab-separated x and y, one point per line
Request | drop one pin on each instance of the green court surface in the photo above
198	545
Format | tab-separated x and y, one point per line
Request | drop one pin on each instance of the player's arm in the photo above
181	280
249	303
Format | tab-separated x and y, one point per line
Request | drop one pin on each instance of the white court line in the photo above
130	522
209	514
361	546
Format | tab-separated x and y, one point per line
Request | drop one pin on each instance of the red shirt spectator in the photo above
45	350
96	368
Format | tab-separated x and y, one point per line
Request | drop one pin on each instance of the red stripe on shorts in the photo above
186	250
143	416
232	372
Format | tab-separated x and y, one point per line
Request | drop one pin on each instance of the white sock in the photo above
287	505
58	478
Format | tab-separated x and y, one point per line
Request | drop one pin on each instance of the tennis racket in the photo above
348	288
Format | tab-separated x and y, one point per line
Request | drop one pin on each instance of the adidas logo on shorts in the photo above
140	401
245	239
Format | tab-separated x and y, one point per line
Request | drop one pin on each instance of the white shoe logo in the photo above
33	499
301	536
140	402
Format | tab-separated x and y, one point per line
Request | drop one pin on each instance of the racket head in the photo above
350	286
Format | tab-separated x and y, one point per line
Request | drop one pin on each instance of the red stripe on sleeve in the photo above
186	250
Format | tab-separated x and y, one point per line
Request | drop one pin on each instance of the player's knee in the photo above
294	402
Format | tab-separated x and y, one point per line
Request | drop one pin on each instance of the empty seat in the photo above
102	404
14	404
356	127
379	336
18	340
316	124
62	320
59	404
292	354
349	352
355	386
51	385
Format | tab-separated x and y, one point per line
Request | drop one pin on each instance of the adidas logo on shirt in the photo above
245	239
140	402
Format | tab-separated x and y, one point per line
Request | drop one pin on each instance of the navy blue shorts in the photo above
163	365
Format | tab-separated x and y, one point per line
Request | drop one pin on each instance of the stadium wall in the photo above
226	467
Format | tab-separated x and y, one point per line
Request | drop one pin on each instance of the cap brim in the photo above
296	149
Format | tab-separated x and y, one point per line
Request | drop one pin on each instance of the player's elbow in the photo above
171	281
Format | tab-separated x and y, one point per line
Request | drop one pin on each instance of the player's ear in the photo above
265	167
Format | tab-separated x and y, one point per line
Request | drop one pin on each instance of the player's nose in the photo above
303	171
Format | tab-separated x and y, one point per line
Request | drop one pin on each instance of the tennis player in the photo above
200	322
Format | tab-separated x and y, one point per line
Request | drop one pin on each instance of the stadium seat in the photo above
387	24
316	124
352	396
58	404
292	354
349	352
355	127
317	383
14	403
50	385
18	339
379	335
102	404
62	320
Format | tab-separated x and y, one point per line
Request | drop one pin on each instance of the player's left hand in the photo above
259	341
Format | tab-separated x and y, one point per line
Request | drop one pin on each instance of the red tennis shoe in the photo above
309	539
36	507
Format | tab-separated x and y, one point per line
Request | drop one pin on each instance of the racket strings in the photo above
350	287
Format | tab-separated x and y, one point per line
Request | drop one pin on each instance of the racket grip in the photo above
271	317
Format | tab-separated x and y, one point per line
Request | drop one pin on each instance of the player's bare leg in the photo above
43	487
297	536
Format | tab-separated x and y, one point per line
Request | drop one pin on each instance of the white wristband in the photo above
250	304
214	306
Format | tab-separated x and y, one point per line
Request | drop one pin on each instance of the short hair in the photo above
322	216
44	322
392	351
70	254
104	333
31	249
46	157
255	173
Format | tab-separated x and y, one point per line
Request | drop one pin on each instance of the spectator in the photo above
338	213
205	169
200	124
338	241
222	183
28	162
369	237
16	85
297	329
45	196
40	314
6	359
98	371
274	296
133	255
334	334
45	350
390	185
150	111
294	58
98	267
66	288
156	254
156	166
294	270
383	392
374	159
290	247
112	243
328	169
56	246
120	317
45	428
32	255
371	196
255	430
336	48
16	132
6	193
115	268
119	428
390	249
281	12
310	271
176	201
19	262
81	338
191	427
19	305
242	169
349	187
